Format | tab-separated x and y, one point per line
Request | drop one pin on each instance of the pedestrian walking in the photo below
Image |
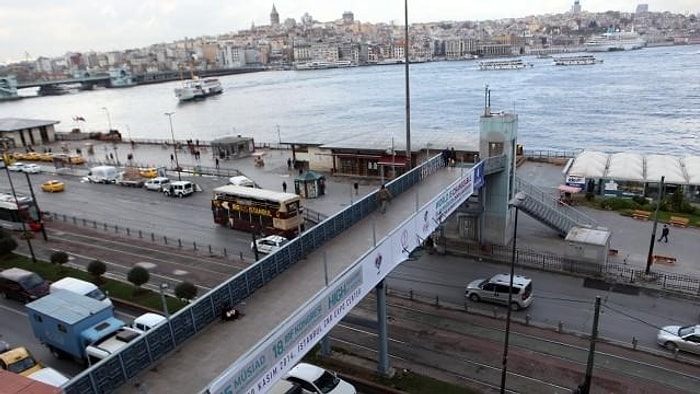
289	164
356	186
172	158
384	196
445	157
216	162
664	234
284	186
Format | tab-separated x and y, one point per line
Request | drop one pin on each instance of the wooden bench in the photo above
641	215
664	259
679	221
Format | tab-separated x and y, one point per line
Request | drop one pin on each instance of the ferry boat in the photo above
615	41
503	65
578	60
196	89
322	65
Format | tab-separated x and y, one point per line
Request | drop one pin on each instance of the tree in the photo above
59	258
96	268
7	245
138	276
186	291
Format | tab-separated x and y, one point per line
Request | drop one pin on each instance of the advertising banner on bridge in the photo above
278	353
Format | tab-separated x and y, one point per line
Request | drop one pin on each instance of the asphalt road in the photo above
556	298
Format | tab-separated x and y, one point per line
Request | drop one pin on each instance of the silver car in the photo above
686	338
495	289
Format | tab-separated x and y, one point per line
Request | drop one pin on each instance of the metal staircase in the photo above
542	206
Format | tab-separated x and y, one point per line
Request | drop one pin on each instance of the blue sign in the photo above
479	175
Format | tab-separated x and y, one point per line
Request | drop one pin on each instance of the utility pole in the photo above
650	256
406	47
586	387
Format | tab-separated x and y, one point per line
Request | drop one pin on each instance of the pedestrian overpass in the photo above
292	298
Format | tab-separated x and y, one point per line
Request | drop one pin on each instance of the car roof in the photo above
307	372
518	280
158	179
149	319
180	183
277	238
15	273
75	284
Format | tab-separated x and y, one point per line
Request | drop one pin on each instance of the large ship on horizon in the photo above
322	65
514	64
615	40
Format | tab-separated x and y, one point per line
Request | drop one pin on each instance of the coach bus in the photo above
12	216
261	211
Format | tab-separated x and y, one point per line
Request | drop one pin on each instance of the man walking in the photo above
284	186
384	195
664	234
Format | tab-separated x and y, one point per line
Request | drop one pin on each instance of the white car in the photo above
269	244
156	184
18	166
31	168
318	381
685	338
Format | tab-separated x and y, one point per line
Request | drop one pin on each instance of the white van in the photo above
156	184
103	174
179	189
80	287
241	181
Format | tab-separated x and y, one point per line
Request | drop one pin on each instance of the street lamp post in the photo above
514	202
162	288
109	119
172	134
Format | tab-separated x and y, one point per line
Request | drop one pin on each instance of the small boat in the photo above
197	89
579	60
516	64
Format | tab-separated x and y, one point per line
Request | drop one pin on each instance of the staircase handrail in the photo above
547	199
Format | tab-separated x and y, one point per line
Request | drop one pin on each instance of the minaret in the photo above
274	17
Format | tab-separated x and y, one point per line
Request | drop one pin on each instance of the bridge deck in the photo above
193	366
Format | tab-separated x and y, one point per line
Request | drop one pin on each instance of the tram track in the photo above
470	352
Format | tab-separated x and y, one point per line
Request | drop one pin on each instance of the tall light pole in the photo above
279	136
408	90
172	134
162	288
650	255
109	119
514	202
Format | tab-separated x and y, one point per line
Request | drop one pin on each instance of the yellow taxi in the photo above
19	361
148	172
76	159
32	156
53	186
18	156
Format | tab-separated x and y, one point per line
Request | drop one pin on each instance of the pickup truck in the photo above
111	344
131	178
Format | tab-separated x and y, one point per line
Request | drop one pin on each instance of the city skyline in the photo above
36	28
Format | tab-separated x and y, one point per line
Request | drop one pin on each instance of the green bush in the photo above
640	200
96	268
185	291
7	245
617	203
138	276
59	258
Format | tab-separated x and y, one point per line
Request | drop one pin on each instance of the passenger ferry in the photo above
579	60
615	41
196	88
503	65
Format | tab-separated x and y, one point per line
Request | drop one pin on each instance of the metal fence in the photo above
113	372
684	283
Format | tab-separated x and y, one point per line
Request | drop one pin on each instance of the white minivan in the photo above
80	287
103	174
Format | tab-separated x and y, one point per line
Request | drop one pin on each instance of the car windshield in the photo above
31	281
687	330
97	294
22	365
327	382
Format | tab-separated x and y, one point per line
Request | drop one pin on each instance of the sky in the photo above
33	28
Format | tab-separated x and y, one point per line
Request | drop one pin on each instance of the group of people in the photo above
449	157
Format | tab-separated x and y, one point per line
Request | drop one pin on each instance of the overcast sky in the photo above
32	28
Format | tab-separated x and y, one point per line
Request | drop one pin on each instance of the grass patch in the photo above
114	288
409	382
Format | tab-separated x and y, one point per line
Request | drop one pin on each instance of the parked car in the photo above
53	186
22	285
148	172
685	338
241	180
317	380
156	184
18	166
31	168
33	156
269	244
495	289
179	189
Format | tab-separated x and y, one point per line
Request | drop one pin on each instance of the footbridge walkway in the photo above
291	298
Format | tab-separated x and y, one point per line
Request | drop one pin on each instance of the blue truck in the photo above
68	323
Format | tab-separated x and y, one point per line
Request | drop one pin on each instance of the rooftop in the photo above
14	124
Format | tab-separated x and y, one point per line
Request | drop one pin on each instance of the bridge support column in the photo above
383	367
